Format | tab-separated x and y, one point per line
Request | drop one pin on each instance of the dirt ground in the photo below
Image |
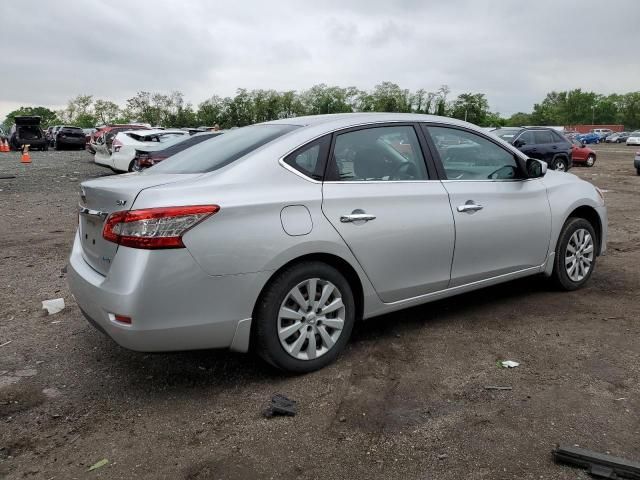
406	400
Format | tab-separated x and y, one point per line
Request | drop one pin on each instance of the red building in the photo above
588	128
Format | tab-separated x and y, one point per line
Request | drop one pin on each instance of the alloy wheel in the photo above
590	161
579	255
560	166
311	319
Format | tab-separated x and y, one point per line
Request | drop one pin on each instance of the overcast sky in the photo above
513	51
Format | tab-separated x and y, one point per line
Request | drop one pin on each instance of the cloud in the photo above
515	52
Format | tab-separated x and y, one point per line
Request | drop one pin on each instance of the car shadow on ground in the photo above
146	372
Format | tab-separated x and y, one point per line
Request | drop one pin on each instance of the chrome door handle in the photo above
469	207
357	217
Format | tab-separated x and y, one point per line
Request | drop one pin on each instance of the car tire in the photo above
638	170
591	160
131	165
575	255
299	330
561	164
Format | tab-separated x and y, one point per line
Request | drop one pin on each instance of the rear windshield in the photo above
71	129
221	151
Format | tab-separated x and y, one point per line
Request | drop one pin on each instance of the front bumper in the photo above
636	161
604	224
174	304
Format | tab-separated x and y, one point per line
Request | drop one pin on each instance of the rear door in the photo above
394	217
502	221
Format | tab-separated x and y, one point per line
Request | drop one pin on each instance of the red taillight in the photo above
155	228
117	145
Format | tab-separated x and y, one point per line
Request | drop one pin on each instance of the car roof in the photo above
345	120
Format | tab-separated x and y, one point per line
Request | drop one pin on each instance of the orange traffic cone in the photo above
26	158
5	146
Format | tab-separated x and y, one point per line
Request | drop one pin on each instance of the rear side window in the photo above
310	159
210	156
543	136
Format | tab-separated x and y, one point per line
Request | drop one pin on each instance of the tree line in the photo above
252	106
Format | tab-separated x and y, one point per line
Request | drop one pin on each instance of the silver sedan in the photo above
279	236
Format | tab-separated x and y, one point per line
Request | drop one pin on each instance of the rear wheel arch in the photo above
341	265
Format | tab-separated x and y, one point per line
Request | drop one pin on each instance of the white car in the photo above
634	138
123	149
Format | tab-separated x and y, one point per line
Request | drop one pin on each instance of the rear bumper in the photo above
71	141
174	304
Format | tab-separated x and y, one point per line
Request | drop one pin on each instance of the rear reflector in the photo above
123	319
154	228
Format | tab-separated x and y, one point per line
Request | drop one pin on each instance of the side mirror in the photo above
518	143
536	168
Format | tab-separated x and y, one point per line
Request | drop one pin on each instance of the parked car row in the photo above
121	156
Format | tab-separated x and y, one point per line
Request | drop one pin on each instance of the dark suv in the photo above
27	131
538	142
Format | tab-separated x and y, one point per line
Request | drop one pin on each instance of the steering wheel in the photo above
509	171
402	172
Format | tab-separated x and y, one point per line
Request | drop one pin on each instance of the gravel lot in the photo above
406	400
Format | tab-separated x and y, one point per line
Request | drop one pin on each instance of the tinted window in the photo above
472	157
209	156
308	160
377	154
528	138
543	136
558	138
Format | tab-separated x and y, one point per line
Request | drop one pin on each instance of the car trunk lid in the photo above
101	197
27	120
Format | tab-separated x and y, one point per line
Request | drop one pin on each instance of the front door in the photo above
396	221
503	222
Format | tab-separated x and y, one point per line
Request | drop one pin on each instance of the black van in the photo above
27	131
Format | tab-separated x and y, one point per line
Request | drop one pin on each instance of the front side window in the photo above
527	138
468	156
377	154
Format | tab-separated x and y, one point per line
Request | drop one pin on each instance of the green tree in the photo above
47	117
105	111
470	107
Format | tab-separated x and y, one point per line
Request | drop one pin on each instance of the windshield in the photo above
635	134
506	133
222	150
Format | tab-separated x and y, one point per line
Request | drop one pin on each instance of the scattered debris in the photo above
443	456
508	364
342	419
494	387
7	177
27	372
53	306
6	343
598	464
98	464
51	392
280	405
